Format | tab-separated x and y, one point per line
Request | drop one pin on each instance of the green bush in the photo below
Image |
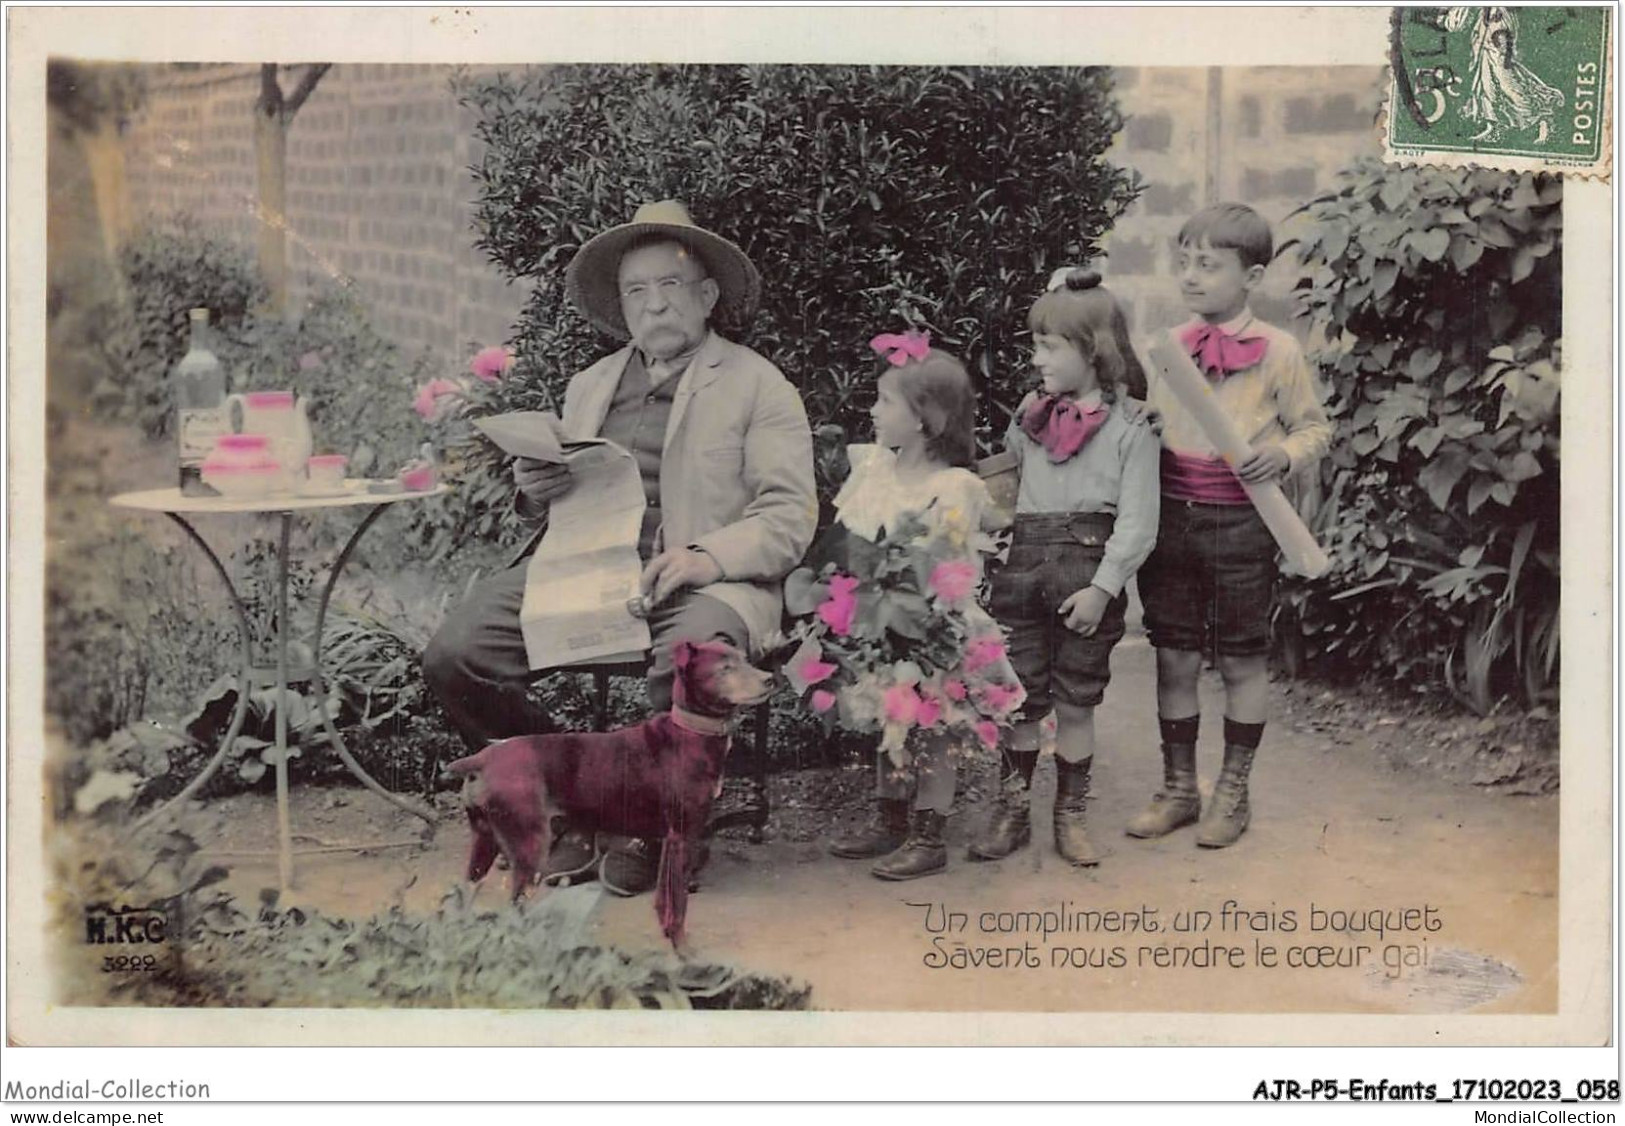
168	270
136	624
869	198
465	954
359	383
1437	295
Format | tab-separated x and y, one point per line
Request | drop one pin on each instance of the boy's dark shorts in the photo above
1210	582
1052	555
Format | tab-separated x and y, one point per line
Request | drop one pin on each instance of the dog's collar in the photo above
698	724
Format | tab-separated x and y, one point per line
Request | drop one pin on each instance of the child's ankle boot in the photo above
1177	804
1071	806
922	854
886	829
1011	826
1229	811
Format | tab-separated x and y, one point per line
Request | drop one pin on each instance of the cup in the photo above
417	478
325	474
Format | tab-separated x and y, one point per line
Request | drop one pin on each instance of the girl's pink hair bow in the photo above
901	347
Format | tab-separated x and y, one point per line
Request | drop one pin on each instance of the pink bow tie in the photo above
1218	353
1061	426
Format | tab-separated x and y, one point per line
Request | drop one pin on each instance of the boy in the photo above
1211	578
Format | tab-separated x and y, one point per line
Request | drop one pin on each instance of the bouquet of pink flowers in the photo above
895	642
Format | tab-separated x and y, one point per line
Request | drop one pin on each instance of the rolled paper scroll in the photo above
1195	394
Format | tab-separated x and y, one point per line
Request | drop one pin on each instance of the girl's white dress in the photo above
873	498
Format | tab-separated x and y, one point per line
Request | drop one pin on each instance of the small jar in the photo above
242	467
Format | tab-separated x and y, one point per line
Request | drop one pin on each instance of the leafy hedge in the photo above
867	196
1438	297
469	953
136	626
360	383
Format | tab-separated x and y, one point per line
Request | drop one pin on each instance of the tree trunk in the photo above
273	114
271	162
104	154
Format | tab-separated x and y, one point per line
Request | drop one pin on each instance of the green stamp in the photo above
1500	87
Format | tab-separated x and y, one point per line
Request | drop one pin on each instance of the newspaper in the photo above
586	570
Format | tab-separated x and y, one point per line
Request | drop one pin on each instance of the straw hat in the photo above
591	280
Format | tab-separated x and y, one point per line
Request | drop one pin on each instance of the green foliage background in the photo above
1438	297
870	198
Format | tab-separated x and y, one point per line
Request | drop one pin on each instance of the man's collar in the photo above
673	367
1238	324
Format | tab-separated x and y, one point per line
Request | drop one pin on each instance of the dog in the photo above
655	779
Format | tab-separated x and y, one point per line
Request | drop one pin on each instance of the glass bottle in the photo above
200	404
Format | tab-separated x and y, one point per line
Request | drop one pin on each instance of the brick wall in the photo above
1270	137
378	190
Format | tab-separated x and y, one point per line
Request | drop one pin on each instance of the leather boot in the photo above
1229	810
1177	804
1071	804
922	854
1011	826
887	828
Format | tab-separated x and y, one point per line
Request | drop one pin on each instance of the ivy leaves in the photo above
1437	296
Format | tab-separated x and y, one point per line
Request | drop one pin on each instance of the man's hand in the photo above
1083	609
540	482
671	571
1267	464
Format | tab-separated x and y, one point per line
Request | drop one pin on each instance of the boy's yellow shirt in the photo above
1274	402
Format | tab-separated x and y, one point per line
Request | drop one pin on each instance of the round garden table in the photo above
173	504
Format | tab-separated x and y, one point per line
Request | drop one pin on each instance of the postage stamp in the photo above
1501	87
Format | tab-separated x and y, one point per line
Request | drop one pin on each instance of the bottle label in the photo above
200	428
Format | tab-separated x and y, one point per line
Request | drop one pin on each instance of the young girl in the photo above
924	417
1086	518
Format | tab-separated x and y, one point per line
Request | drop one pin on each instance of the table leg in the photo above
244	681
284	824
320	685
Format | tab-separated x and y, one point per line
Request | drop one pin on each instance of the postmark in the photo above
1513	88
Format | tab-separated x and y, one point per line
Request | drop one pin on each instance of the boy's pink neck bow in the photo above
1219	353
1061	425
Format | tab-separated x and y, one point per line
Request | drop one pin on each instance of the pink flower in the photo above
813	671
491	364
823	700
902	704
982	652
427	402
929	712
954	689
953	579
988	732
841	607
1000	698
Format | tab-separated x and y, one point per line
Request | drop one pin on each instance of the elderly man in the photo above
721	439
